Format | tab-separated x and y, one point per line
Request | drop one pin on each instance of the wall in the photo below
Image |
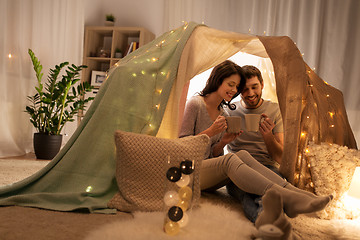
139	13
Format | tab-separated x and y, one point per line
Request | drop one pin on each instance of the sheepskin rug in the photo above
209	221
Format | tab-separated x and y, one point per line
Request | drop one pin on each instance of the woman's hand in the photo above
229	137
218	126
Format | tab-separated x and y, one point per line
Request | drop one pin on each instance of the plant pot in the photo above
46	146
109	23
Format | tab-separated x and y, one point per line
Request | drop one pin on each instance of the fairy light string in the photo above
312	129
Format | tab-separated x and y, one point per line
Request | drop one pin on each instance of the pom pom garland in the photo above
173	174
178	202
187	167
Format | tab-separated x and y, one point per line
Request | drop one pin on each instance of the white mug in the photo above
252	122
233	124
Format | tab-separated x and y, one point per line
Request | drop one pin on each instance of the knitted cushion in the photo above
332	167
142	165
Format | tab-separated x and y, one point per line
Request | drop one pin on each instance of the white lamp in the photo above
354	189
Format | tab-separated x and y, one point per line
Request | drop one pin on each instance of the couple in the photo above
246	178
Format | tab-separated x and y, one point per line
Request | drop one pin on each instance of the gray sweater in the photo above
196	119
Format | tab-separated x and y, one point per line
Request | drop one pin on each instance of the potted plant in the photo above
55	103
109	20
118	53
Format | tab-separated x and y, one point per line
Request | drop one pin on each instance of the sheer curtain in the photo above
327	32
53	29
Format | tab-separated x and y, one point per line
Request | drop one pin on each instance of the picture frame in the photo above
97	78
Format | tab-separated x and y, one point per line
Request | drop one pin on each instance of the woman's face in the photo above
229	87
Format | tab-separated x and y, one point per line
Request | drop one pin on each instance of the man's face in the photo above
251	95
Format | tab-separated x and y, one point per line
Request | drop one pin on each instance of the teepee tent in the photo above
145	93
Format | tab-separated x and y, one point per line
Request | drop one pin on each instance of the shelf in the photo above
101	43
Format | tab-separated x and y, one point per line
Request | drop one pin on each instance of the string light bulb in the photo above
89	189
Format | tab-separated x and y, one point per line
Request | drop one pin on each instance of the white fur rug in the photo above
219	217
218	222
207	222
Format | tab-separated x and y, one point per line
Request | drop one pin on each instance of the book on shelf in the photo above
132	47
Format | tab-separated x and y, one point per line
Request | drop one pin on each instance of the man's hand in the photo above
274	142
266	126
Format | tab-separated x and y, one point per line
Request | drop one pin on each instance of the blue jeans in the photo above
251	203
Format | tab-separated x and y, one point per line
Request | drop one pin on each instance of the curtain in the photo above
325	31
53	29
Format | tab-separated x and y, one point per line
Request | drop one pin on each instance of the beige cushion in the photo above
141	168
332	167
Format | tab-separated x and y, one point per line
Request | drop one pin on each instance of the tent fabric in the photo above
312	110
146	93
132	99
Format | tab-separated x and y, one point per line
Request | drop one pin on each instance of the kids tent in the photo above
145	93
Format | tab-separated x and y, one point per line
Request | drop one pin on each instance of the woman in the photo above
204	114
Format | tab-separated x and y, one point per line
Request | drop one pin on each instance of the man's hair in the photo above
252	71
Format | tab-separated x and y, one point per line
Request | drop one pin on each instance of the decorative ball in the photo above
184	204
173	174
185	193
175	213
183	181
172	228
184	220
187	167
171	198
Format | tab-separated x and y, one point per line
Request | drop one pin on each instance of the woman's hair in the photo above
217	76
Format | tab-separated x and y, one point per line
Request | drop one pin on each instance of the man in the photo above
265	145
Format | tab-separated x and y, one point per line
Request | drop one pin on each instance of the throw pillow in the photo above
332	167
141	166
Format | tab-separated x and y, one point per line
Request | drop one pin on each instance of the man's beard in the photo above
251	104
